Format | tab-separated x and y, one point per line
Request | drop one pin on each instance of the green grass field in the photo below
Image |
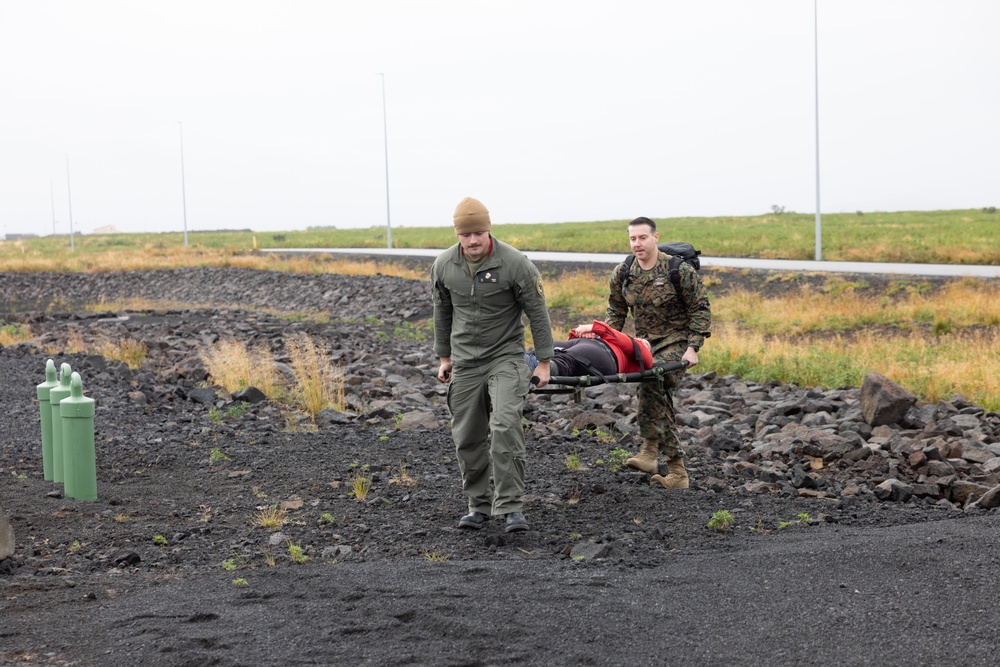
936	237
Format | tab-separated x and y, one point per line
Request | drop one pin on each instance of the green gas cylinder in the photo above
56	394
46	415
80	463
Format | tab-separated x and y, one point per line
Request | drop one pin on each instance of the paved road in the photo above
971	270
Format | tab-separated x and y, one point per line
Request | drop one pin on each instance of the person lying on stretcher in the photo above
597	349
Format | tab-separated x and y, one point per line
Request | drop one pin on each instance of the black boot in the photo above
515	523
473	520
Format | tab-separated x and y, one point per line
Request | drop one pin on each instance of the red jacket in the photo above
624	348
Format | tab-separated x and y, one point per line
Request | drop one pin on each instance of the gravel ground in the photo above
612	572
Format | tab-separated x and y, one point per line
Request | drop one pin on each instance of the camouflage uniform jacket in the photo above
660	317
478	319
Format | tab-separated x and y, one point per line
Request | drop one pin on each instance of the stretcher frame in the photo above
573	384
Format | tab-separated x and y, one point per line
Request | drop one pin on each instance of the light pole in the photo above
52	196
819	224
385	140
183	188
69	197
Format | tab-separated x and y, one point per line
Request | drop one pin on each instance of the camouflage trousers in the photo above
656	416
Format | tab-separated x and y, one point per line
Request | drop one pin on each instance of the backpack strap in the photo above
626	270
675	275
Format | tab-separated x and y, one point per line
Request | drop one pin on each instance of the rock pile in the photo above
876	442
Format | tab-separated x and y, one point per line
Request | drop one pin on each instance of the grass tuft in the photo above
320	382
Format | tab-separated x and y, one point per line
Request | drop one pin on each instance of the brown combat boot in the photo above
677	475
646	459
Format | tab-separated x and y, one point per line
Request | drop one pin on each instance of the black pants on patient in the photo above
572	357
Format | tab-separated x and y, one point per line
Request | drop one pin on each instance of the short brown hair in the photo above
643	221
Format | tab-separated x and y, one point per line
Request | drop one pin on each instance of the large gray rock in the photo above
883	401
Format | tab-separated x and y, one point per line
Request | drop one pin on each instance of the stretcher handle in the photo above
638	376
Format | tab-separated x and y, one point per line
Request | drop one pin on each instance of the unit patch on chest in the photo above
490	276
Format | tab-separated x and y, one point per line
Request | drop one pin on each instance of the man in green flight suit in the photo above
480	289
676	324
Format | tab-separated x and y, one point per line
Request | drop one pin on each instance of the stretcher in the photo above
574	384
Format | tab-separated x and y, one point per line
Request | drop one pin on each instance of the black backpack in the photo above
679	252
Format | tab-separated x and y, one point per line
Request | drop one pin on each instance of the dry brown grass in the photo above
12	334
960	304
126	350
160	257
934	367
320	383
234	366
581	291
404	478
271	518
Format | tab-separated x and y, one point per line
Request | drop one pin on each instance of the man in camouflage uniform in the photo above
676	325
481	287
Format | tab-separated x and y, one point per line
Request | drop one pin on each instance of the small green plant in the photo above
605	437
238	410
271	518
410	331
326	517
801	519
721	520
436	556
240	582
296	553
217	456
577	558
404	478
229	565
383	438
360	482
268	557
159	540
575	536
215	415
617	458
76	545
759	528
573	462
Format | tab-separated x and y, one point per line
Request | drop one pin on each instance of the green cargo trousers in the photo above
486	404
656	416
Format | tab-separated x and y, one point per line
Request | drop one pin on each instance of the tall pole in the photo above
385	140
52	196
183	188
819	224
69	197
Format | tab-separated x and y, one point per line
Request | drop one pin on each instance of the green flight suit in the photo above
478	324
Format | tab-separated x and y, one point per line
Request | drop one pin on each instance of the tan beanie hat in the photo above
471	216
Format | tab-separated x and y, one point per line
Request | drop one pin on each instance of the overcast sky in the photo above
546	110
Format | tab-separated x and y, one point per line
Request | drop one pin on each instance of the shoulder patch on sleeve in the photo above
538	286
